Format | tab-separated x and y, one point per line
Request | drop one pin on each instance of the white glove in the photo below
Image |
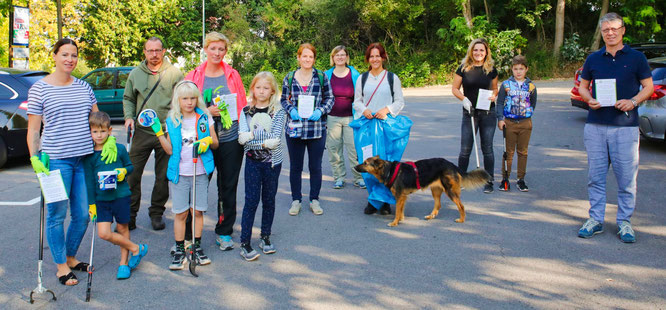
245	137
271	143
467	104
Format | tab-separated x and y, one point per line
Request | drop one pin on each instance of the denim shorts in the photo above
119	208
180	193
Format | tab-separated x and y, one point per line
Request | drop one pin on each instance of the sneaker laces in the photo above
589	224
625	228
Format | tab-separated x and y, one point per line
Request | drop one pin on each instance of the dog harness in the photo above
395	174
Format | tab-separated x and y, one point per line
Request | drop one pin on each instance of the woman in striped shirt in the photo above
63	103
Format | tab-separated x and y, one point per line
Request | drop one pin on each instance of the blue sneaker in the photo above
123	272
134	260
626	233
590	228
339	184
224	242
359	184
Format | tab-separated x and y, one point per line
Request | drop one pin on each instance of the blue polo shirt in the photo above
628	68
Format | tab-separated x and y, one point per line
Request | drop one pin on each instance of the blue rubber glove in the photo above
316	115
109	150
294	115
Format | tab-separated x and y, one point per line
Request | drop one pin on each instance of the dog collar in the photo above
416	170
394	176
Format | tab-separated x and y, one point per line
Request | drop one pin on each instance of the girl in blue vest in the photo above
189	125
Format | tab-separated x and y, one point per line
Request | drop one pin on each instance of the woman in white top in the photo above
378	93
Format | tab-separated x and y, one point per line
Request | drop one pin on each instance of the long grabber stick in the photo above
476	150
194	261
40	289
90	267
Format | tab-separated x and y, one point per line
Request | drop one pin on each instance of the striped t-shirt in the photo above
65	111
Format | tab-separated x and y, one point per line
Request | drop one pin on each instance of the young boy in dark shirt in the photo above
108	199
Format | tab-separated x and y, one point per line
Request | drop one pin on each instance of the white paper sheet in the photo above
482	101
306	105
606	92
367	151
52	186
230	99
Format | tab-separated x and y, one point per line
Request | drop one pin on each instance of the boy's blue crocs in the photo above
134	260
123	272
626	233
590	228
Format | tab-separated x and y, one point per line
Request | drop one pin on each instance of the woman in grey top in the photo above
216	81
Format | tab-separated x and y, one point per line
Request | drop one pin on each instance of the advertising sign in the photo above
21	24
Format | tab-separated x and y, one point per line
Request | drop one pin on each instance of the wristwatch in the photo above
634	102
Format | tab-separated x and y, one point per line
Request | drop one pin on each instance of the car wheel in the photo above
3	153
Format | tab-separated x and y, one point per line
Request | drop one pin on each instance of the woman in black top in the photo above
477	72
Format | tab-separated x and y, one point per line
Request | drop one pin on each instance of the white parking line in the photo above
20	203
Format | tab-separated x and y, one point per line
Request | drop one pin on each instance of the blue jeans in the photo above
485	123
618	146
73	176
315	148
261	181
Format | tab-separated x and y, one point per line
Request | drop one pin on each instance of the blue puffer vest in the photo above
177	145
517	103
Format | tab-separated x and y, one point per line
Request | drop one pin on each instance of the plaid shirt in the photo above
323	101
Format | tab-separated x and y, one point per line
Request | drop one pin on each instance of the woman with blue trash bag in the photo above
338	134
378	130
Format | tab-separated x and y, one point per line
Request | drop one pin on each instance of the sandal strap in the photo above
70	276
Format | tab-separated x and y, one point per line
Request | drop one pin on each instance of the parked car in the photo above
108	84
14	86
652	112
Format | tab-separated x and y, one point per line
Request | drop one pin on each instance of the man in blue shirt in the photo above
611	130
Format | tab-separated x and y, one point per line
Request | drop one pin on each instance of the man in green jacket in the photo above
140	83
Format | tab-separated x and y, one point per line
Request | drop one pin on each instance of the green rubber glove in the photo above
225	117
92	211
38	165
109	150
157	127
208	96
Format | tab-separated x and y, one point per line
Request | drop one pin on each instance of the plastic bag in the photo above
387	138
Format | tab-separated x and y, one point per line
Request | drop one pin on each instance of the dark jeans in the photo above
315	148
228	161
143	144
260	179
485	123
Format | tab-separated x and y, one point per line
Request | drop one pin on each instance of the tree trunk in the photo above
485	4
559	28
597	32
467	12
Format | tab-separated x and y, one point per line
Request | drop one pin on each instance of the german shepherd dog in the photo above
438	174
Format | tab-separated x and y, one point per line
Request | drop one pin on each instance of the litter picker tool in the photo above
194	261
476	150
90	266
40	289
505	173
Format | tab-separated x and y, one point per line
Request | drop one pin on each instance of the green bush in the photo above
572	50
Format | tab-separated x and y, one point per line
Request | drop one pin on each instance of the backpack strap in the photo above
364	78
390	77
320	75
390	81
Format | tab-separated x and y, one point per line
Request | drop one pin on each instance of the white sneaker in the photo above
295	207
315	207
188	243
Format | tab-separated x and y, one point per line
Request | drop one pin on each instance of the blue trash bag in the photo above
388	138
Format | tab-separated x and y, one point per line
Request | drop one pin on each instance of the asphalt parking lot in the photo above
516	250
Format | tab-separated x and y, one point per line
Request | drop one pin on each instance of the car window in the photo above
100	79
122	78
6	92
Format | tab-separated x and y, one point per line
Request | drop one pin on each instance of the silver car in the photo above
652	112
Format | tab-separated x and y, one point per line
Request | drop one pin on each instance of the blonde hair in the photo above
185	88
215	37
336	50
274	102
468	61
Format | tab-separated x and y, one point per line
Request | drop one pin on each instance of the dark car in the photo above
14	86
108	84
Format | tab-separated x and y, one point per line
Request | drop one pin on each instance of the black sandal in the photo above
70	276
81	266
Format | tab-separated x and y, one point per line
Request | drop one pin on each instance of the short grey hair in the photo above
612	16
153	39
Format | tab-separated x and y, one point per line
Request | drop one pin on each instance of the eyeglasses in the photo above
340	55
614	30
154	51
